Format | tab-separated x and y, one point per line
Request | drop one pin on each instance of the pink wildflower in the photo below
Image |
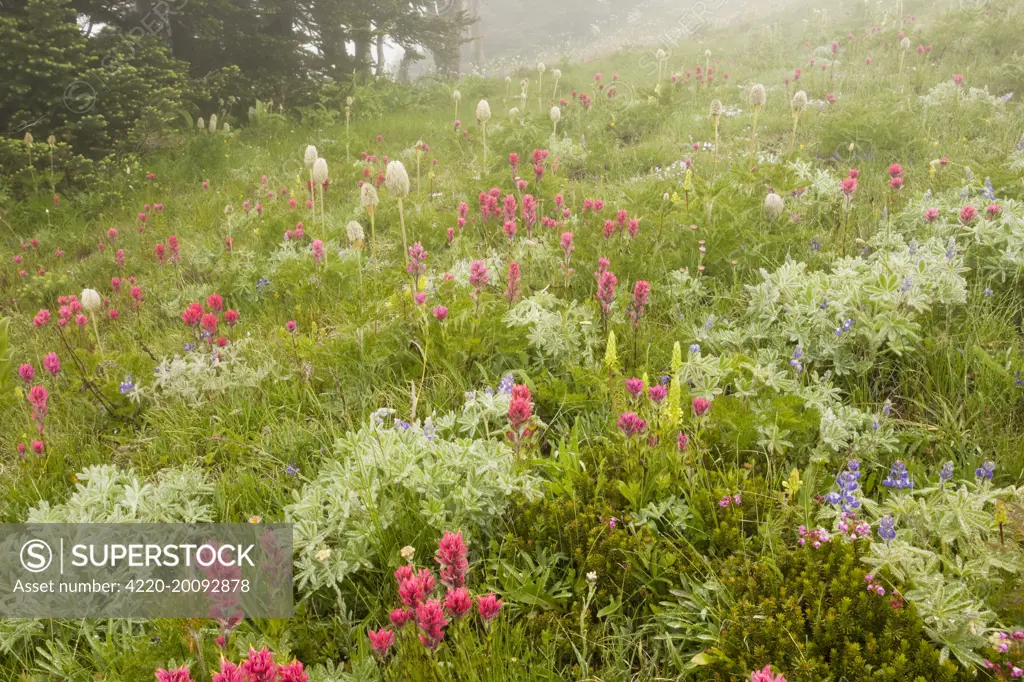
431	622
631	424
458	602
382	640
488	606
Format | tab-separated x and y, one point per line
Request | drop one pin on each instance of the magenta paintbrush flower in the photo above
700	406
512	292
488	606
641	292
631	424
176	675
452	555
382	640
431	622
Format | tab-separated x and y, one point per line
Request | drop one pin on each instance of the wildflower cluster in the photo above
420	608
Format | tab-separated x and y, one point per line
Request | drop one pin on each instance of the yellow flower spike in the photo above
688	181
611	358
674	409
677	358
1001	515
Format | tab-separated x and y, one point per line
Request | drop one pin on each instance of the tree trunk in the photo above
474	33
381	66
363	39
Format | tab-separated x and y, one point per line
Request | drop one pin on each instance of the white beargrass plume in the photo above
226	128
557	73
716	113
369	199
200	124
524	84
773	205
309	158
513	113
320	171
213	123
661	55
556	116
798	104
355	234
483	115
319	178
355	242
91	303
508	85
757	100
707	60
456	97
540	85
397	182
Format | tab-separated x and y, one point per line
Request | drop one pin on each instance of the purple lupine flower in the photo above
899	477
887	528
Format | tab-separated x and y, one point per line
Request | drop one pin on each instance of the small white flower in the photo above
90	300
592	577
310	157
483	111
320	171
396	179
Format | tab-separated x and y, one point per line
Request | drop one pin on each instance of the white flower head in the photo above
396	179
513	113
349	101
200	124
716	107
213	123
556	114
368	195
90	300
799	102
310	157
483	111
557	73
226	128
757	96
457	96
541	67
320	171
773	205
355	232
707	53
661	54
